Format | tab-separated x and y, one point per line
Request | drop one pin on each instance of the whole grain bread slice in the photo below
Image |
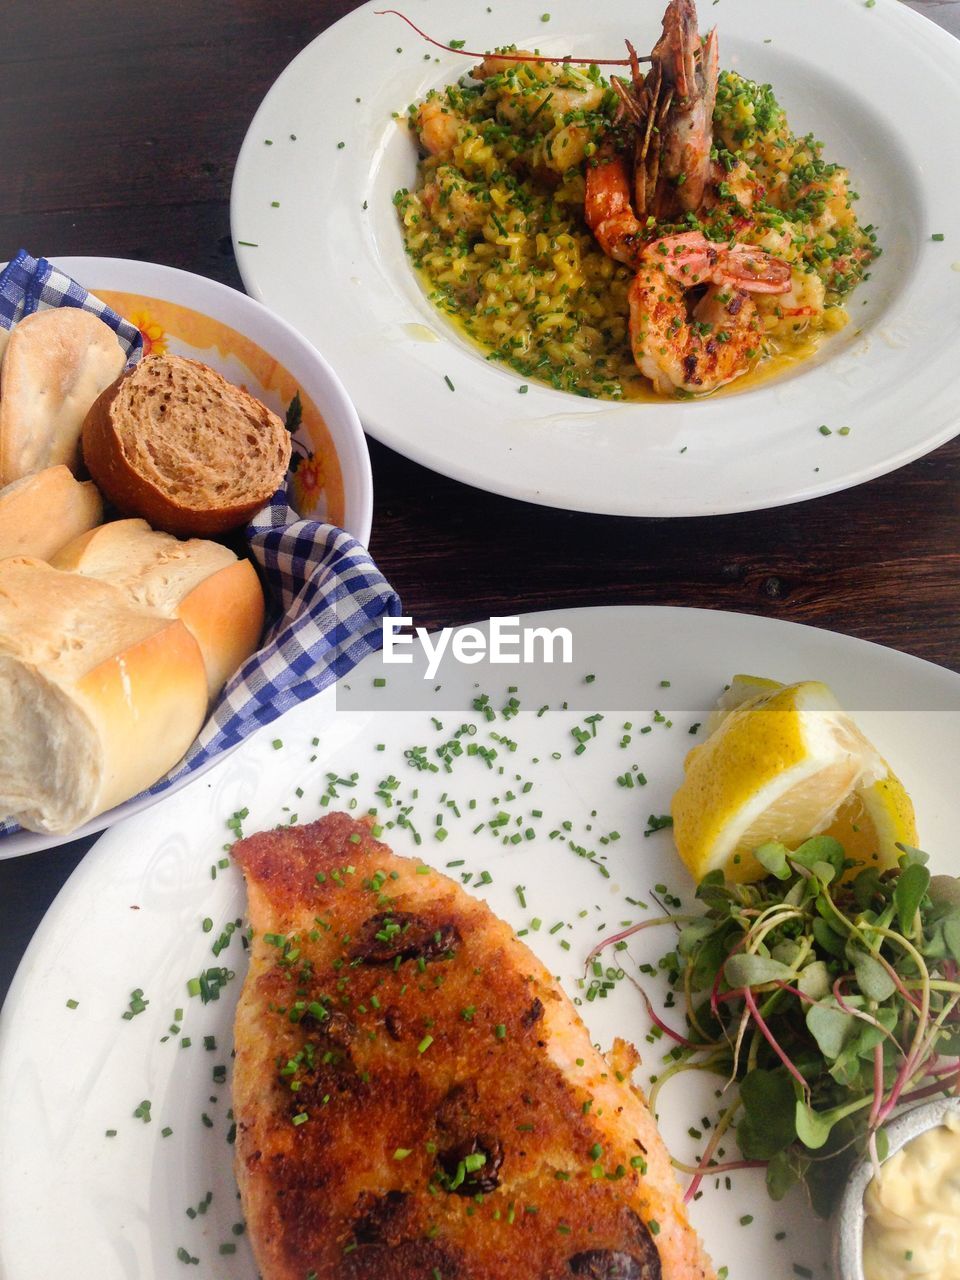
174	442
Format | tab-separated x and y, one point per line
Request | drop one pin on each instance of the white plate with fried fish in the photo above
317	237
116	1037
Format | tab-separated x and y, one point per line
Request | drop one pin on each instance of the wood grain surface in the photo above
119	127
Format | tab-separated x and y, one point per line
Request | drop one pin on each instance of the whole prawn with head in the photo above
693	323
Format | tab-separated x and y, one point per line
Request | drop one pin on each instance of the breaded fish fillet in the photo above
416	1098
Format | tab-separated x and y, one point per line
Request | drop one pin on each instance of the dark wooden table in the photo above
119	126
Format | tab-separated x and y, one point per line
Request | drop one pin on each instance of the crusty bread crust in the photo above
149	703
225	614
98	698
55	364
216	596
176	443
41	513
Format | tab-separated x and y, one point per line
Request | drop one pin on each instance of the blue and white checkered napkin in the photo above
325	596
34	284
332	598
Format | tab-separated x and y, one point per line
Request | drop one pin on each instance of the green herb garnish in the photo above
294	413
831	1000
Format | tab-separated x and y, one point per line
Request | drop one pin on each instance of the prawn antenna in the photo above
509	57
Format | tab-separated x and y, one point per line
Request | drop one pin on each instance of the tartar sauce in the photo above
913	1209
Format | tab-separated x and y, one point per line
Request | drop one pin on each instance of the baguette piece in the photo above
176	443
41	513
98	698
217	597
55	364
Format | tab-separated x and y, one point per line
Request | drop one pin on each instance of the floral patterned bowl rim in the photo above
268	355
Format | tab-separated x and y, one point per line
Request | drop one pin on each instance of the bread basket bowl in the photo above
186	314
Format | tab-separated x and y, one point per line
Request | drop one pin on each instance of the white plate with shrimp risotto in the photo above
723	278
115	1060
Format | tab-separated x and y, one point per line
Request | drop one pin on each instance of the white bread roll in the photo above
41	513
98	698
217	597
54	366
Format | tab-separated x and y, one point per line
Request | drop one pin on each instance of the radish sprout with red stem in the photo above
829	998
512	57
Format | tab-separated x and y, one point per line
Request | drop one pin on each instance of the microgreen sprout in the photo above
830	998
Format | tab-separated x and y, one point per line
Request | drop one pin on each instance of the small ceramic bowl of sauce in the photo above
906	1223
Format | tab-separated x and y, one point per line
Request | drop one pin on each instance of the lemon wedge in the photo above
739	690
874	821
785	762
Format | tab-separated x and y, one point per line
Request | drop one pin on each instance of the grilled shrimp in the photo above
549	99
670	111
608	210
680	92
695	344
438	126
681	340
539	84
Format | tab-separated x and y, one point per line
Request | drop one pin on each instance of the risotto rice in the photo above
496	227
